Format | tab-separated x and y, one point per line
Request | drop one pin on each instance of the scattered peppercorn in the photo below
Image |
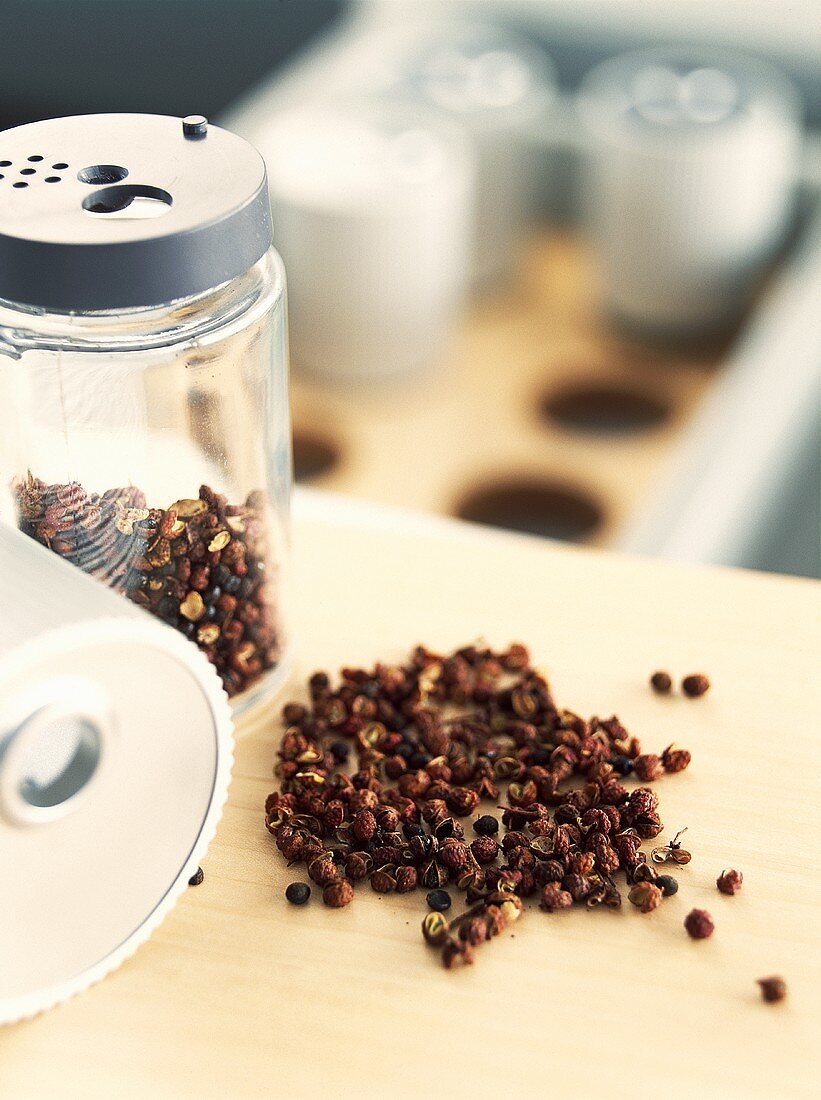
729	882
439	900
338	894
661	682
374	775
675	760
695	685
197	877
484	849
773	989
297	892
699	924
486	825
555	898
647	767
646	896
667	884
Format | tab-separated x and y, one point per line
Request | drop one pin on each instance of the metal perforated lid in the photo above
119	211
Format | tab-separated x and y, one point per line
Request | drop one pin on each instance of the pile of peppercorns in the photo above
199	565
434	738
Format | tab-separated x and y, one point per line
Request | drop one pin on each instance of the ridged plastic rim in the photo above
15	1009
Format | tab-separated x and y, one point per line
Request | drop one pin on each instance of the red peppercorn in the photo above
699	924
462	801
729	882
578	886
555	898
323	870
646	896
406	880
661	682
338	894
647	767
485	849
358	866
695	685
364	825
773	989
675	760
456	953
382	881
395	766
454	854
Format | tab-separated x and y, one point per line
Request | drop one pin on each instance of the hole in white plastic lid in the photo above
128	201
60	761
52	742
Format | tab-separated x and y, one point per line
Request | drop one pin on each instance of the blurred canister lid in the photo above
372	206
489	77
363	157
693	161
499	86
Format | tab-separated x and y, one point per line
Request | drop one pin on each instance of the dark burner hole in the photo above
604	410
534	508
27	171
5	164
313	456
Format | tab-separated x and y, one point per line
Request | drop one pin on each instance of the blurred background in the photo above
552	266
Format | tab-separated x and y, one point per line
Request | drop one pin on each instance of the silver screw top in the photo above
127	222
195	125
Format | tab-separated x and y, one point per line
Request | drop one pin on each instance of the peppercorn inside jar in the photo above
143	367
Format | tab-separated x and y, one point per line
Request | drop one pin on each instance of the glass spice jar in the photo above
144	374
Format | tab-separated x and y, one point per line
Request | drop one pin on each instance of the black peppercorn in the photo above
486	825
622	764
439	900
667	884
196	878
340	750
298	893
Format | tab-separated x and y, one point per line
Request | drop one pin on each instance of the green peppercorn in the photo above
667	884
486	825
439	900
298	893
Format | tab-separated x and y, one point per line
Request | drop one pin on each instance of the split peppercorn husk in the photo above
428	743
729	881
201	564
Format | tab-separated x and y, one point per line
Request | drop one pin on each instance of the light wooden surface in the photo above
513	348
240	995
